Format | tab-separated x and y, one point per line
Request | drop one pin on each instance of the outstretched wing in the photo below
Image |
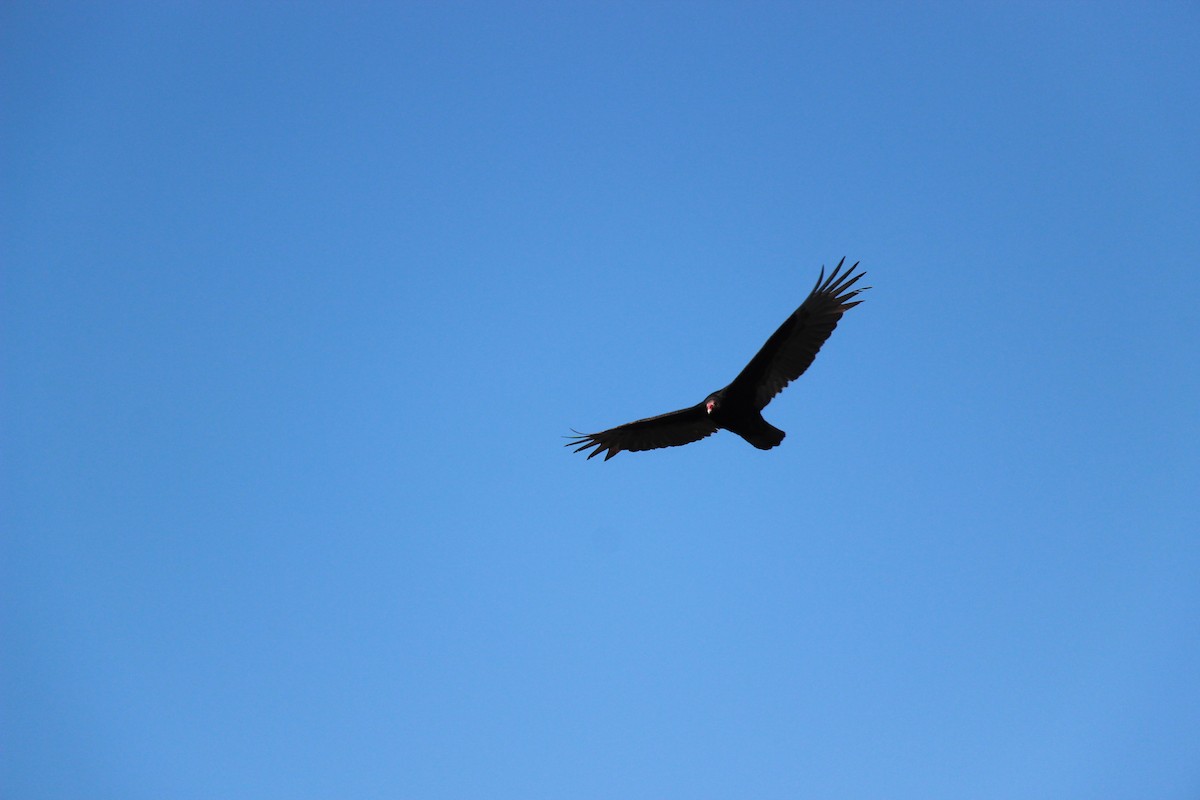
793	347
666	430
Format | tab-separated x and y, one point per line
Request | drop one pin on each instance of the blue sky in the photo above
297	302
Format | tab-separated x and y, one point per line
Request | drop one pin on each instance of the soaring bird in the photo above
738	407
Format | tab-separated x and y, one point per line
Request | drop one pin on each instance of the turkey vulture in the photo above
738	407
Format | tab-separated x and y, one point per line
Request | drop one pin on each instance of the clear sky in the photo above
298	301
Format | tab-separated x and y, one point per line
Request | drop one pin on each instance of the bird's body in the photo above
733	412
738	407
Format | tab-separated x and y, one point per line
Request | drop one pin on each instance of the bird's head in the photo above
712	405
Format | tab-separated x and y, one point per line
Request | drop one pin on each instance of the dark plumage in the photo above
738	407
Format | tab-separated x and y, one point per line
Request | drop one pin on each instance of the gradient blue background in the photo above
299	299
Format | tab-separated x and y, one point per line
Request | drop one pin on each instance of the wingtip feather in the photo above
820	279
